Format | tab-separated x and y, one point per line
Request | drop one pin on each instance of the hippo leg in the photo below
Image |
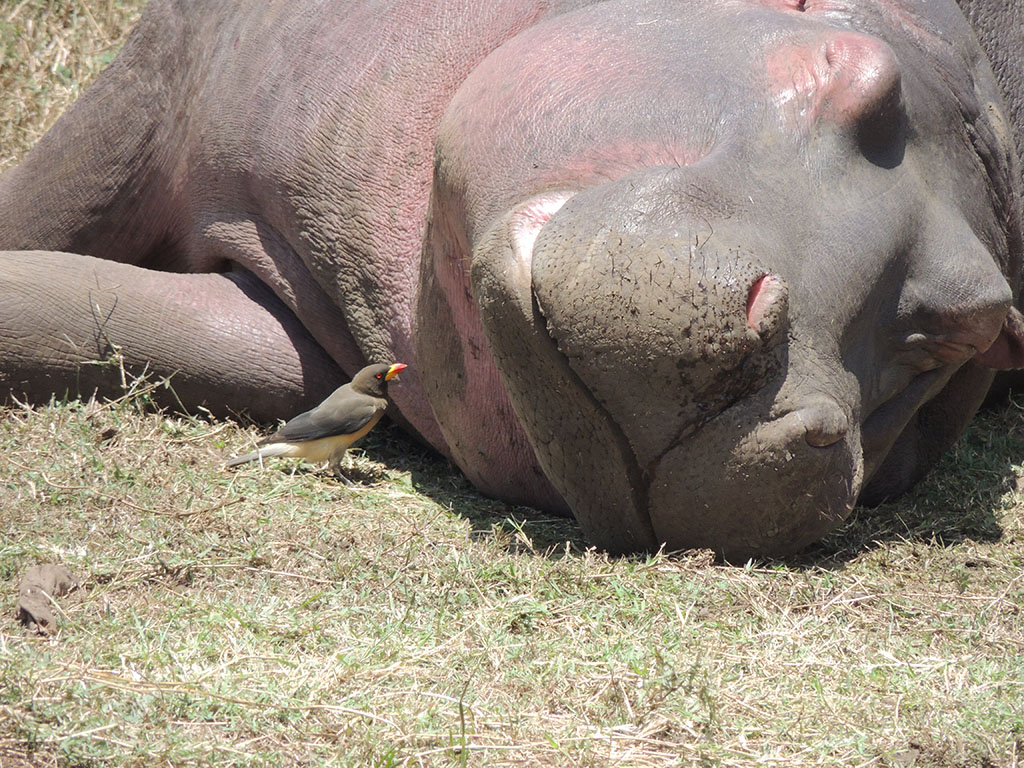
222	337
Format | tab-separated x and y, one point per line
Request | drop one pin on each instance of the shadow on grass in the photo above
440	480
958	501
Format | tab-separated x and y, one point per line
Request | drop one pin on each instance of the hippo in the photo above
701	274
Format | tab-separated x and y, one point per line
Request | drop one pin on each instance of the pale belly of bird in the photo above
329	449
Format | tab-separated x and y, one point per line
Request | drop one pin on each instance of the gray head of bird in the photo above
373	379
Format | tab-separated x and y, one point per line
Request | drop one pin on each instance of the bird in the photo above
327	431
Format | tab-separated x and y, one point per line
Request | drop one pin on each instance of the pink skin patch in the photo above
763	294
1000	347
895	14
785	5
1007	351
840	78
529	220
805	6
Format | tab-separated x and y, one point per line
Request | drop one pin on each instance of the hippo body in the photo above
703	274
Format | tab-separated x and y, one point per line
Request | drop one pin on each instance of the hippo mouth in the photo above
902	437
679	464
883	426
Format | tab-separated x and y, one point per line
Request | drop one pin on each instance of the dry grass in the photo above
49	49
275	618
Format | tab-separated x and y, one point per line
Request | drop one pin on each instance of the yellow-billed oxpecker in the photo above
327	431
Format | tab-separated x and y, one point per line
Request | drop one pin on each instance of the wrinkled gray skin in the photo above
702	272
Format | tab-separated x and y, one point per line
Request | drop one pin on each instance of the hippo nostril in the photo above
824	424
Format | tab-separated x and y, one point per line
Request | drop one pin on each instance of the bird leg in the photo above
336	469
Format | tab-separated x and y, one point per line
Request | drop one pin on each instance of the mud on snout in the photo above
645	356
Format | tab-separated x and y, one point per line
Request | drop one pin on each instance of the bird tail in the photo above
274	449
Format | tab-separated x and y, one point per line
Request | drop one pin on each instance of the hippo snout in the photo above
659	346
664	324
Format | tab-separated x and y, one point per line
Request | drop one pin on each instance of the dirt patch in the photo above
39	588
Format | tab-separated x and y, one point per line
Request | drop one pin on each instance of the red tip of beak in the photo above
394	370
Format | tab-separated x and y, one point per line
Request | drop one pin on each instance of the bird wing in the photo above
343	417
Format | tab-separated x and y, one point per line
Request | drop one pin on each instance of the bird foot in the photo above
341	476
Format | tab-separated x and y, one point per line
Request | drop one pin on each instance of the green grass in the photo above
276	618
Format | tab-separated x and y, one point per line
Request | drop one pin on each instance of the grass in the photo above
276	618
49	49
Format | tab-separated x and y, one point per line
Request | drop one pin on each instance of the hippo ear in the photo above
1007	351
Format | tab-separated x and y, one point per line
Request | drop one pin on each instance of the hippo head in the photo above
736	264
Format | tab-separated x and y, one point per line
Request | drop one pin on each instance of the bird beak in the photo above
394	370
